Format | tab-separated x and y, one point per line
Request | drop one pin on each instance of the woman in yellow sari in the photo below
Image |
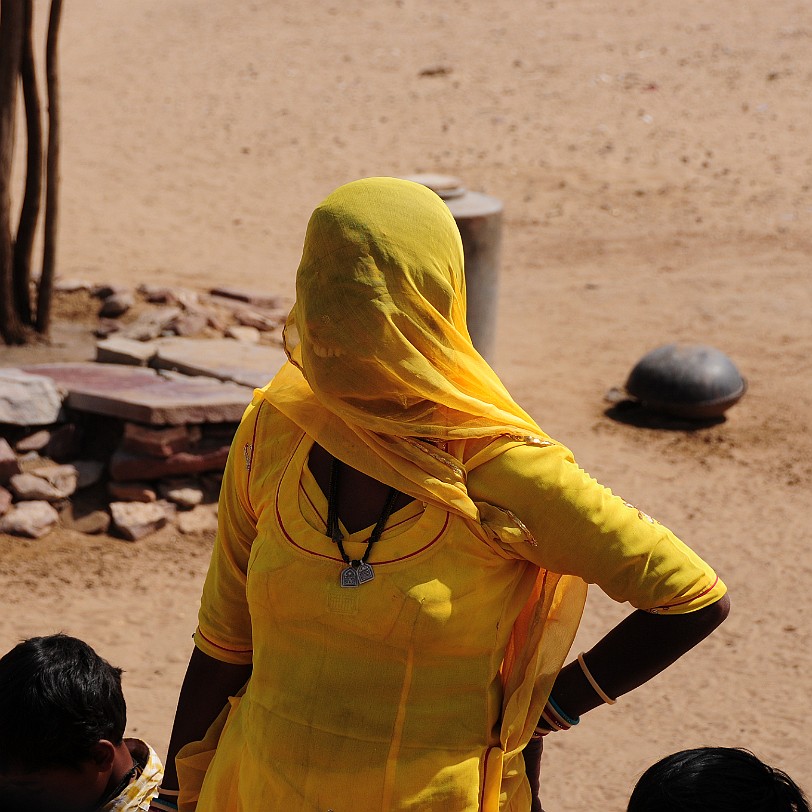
403	554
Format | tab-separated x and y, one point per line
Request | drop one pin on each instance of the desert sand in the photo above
653	160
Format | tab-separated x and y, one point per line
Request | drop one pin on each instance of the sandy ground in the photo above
654	165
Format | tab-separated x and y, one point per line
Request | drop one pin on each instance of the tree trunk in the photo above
11	38
46	282
33	176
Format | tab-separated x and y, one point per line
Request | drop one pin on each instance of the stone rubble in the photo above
184	493
117	304
5	501
91	524
51	483
248	335
34	442
28	400
139	437
134	520
132	492
9	464
29	519
198	521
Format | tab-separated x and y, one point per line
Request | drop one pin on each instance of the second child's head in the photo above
715	779
62	720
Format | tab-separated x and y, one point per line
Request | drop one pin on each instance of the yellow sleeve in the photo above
581	528
224	622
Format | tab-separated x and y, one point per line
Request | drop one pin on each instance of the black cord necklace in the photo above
128	778
357	571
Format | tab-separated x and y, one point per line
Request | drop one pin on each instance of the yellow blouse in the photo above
393	695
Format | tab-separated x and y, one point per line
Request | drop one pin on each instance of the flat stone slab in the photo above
126	467
145	396
222	358
30	519
118	350
137	519
251	297
50	483
151	323
28	399
201	520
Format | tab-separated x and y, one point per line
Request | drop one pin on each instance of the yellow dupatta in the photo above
383	375
379	349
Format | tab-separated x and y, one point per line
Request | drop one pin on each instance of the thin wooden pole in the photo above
11	37
46	282
29	211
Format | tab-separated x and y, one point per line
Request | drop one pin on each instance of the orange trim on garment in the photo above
335	558
330	557
318	513
689	600
223	648
484	787
251	466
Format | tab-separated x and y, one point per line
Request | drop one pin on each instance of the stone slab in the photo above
5	500
143	395
134	520
201	520
118	350
8	462
222	358
91	524
163	442
131	492
28	399
30	519
126	467
251	297
265	322
249	335
51	483
33	442
151	323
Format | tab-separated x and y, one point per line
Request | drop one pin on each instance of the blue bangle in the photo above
568	719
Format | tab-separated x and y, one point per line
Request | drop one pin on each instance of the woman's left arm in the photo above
634	651
637	649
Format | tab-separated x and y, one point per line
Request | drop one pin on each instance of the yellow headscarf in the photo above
380	359
382	374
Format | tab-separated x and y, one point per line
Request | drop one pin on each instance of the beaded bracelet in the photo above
549	719
555	719
597	688
555	708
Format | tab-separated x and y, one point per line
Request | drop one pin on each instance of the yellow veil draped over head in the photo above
383	375
382	370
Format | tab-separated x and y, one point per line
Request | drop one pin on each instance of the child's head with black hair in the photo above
62	719
715	779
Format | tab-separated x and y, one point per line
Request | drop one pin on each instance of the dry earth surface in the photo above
654	164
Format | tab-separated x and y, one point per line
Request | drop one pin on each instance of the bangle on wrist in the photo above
560	714
595	687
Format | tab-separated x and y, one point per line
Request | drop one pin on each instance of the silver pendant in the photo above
353	576
349	577
365	572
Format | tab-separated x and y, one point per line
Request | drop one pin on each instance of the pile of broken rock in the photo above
137	437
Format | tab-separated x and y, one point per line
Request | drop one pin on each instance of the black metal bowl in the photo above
691	381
